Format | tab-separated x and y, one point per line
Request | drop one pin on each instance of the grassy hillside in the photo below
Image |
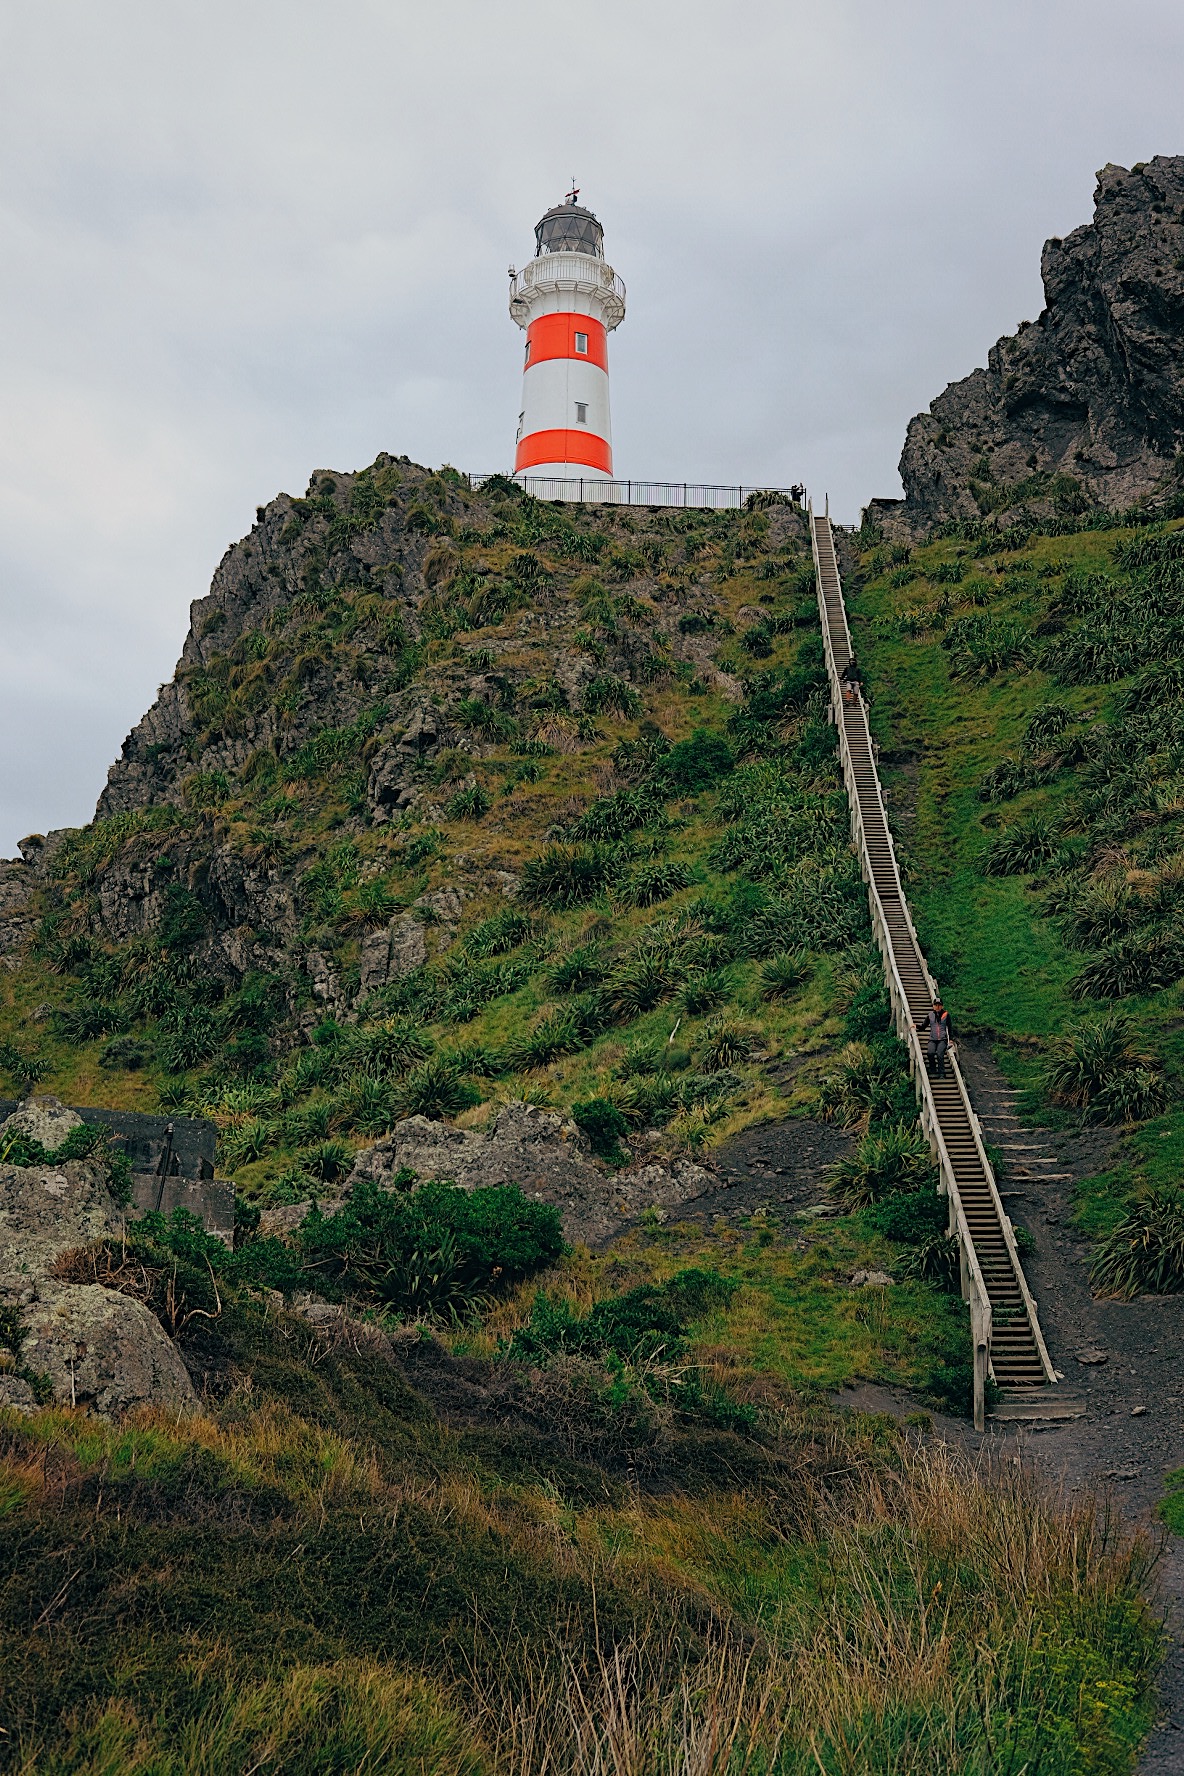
587	1565
1028	697
631	744
498	1507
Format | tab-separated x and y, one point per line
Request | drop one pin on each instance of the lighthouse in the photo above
568	300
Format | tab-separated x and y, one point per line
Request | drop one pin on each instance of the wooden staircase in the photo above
1006	1330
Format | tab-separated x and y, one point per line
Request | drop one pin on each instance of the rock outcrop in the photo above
547	1156
87	1345
1084	407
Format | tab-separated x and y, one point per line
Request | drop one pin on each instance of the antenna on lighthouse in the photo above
573	194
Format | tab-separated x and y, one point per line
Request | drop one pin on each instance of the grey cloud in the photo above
243	239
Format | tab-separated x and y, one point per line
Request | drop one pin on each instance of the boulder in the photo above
42	1119
543	1153
396	950
45	1210
16	1392
103	1349
97	1347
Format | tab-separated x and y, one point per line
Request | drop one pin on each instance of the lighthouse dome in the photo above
569	228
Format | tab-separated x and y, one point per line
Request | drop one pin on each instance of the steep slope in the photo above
1083	408
452	789
1027	690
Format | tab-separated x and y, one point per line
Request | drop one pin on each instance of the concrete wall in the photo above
189	1183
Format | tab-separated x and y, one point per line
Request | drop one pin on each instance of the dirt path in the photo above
776	1165
1116	1357
1124	1360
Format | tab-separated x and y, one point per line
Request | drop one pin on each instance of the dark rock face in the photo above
1085	406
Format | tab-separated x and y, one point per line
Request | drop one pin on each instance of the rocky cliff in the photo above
1084	407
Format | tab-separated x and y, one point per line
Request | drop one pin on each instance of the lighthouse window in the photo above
581	342
528	351
581	412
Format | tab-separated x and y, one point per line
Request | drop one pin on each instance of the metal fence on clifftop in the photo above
593	491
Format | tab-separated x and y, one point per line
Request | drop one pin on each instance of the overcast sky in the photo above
241	240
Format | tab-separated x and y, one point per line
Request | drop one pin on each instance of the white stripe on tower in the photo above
568	301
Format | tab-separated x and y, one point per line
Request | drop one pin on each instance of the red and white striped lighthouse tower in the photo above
568	300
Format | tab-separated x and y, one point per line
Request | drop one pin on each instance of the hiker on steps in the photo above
850	678
939	1040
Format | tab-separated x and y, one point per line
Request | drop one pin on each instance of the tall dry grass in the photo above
966	1622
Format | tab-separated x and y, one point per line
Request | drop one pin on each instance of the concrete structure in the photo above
568	301
172	1161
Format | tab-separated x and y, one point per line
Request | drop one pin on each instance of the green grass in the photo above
319	1572
1003	965
1172	1507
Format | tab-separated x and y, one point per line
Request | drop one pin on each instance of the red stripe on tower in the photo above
582	450
568	301
567	336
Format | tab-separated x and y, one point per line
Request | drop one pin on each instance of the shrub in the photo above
643	1325
653	882
725	1044
1021	847
327	1160
908	1218
468	804
642	981
582	967
703	990
366	1106
980	647
1144	1253
246	1142
437	1088
389	1049
557	1034
125	1054
497	935
188	1037
85	1019
783	974
604	1126
438	1249
1099	1067
870	1084
917	1221
565	875
607	694
1137	964
1047	722
695	764
894	1159
1004	780
612	817
25	1069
